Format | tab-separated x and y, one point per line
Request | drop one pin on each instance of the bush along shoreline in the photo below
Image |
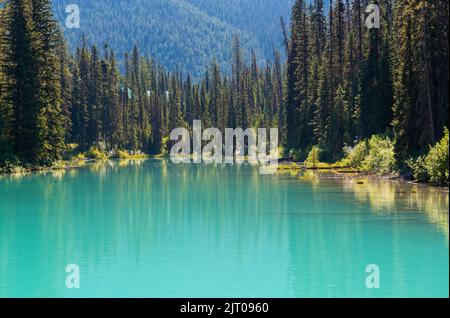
376	156
433	166
72	159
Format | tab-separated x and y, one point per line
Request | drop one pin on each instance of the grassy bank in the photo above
74	160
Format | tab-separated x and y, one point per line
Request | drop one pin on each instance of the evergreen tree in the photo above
20	63
113	123
6	111
376	91
94	106
237	117
50	117
293	76
421	74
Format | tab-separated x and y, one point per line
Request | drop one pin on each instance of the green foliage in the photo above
281	151
314	157
79	157
375	155
32	94
354	157
96	154
122	154
434	166
418	168
164	148
380	158
421	75
437	161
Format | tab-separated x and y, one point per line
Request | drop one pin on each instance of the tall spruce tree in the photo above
6	111
50	117
293	76
421	74
20	63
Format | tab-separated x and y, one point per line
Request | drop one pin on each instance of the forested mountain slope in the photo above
186	34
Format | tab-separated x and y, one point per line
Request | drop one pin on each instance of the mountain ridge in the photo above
181	34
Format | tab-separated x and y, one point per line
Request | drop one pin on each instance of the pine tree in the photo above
22	78
94	106
80	101
305	112
113	123
175	114
293	81
376	91
421	74
279	105
237	119
215	101
65	63
336	125
50	117
317	43
6	112
324	107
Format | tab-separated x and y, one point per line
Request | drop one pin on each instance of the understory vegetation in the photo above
433	166
372	155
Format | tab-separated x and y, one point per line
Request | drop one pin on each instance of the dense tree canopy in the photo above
180	34
346	81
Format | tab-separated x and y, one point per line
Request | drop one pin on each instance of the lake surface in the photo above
154	229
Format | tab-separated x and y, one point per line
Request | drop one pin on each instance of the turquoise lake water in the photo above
154	229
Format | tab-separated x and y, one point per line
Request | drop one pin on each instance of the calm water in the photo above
153	229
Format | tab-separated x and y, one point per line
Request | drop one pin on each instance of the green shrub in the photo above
434	166
373	155
381	157
313	157
281	151
123	154
70	151
97	154
354	157
437	161
418	168
164	146
79	157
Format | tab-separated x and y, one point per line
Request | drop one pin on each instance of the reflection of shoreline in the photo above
386	195
392	196
72	168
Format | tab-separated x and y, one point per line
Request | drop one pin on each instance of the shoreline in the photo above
283	168
62	165
338	172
